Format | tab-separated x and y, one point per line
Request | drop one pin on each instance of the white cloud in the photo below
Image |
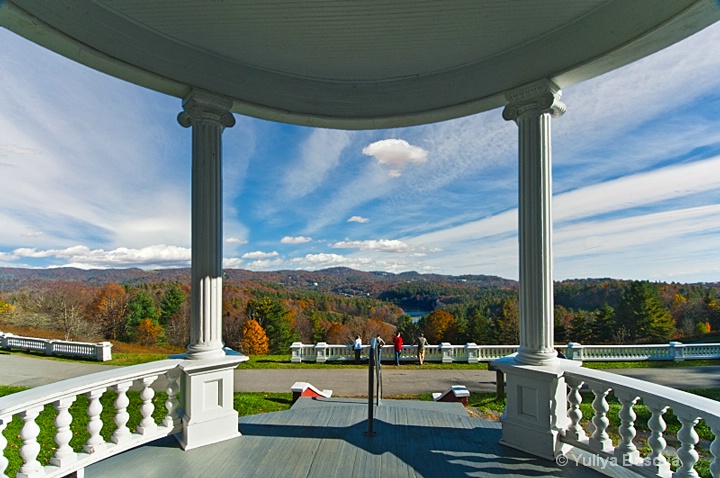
295	240
264	264
260	255
381	245
31	234
235	240
395	154
155	256
232	263
358	219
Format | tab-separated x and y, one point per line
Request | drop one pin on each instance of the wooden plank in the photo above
326	438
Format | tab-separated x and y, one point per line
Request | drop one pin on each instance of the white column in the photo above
207	382
532	108
208	115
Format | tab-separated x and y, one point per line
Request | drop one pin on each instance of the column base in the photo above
536	409
207	409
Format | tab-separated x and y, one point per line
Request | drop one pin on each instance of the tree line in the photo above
265	317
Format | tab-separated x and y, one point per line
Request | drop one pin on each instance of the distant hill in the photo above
337	279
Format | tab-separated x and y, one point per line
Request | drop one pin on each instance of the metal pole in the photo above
371	387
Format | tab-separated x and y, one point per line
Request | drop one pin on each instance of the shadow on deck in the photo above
326	437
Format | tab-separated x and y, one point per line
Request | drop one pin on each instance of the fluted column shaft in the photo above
532	109
208	116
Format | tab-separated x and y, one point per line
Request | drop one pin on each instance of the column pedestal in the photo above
207	411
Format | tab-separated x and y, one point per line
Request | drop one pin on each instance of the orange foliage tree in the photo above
339	334
109	309
440	326
254	341
149	332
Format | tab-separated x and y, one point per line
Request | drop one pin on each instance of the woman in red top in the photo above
397	345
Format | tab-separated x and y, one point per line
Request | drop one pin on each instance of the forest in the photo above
264	312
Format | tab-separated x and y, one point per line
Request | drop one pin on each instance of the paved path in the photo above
406	379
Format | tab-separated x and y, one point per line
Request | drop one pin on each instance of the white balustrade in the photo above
28	404
688	408
94	351
473	353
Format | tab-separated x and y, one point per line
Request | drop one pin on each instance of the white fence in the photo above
689	409
27	405
473	353
93	351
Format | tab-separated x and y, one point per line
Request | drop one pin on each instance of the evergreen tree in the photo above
508	323
171	303
409	330
274	317
604	325
643	315
140	307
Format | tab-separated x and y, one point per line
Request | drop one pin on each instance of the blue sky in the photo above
95	173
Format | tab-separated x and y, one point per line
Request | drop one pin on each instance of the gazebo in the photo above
370	65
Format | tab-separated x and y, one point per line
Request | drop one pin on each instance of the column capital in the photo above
201	106
536	98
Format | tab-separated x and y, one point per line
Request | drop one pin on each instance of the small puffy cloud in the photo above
235	240
395	154
232	263
295	240
258	255
358	219
31	234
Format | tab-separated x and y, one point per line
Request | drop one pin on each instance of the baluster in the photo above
575	430
656	441
64	453
4	420
147	423
714	425
122	432
172	419
688	438
30	448
600	440
626	452
95	442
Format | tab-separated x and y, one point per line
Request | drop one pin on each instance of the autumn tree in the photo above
4	307
109	309
339	334
254	341
66	304
440	326
149	333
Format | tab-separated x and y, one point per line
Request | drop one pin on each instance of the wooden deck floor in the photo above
326	438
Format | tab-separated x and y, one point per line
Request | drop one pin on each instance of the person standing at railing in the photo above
357	346
397	345
422	342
